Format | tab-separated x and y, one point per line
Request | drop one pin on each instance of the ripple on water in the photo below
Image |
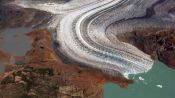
15	41
157	83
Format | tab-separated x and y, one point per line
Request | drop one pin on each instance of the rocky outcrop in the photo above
44	75
12	16
157	42
6	58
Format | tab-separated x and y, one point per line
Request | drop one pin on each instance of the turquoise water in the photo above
159	82
15	41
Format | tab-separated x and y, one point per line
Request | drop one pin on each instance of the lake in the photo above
159	82
2	68
15	41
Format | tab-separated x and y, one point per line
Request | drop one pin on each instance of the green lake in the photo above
159	82
2	68
15	41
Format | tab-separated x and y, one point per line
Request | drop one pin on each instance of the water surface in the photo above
15	41
2	68
159	82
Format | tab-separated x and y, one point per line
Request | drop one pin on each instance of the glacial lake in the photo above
15	41
159	82
2	68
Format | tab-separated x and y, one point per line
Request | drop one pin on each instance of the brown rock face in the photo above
159	43
14	16
46	76
165	41
6	58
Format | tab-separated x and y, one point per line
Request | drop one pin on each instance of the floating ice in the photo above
159	86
